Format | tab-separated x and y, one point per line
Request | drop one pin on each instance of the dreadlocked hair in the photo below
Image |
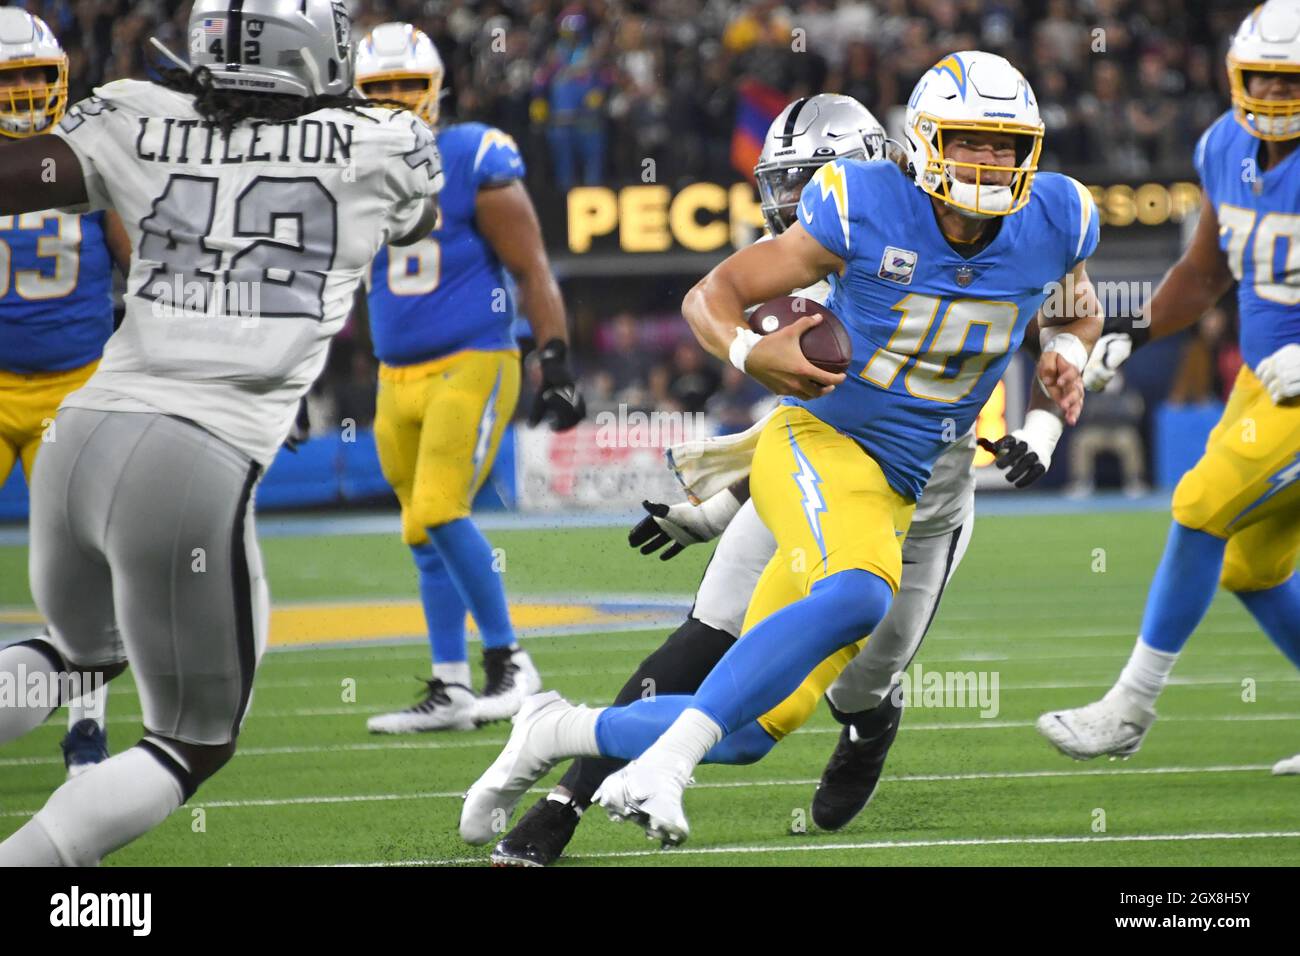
226	109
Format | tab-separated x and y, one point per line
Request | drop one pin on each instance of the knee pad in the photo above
190	764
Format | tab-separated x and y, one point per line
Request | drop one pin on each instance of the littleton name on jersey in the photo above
301	141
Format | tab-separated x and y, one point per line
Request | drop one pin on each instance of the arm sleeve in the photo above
497	159
88	128
824	209
414	175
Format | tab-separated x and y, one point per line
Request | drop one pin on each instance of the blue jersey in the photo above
1259	232
931	330
56	291
448	292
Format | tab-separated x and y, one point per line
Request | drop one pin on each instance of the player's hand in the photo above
1026	453
1280	373
777	362
1062	383
558	400
1111	351
682	524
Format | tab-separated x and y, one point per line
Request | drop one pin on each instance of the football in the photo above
826	345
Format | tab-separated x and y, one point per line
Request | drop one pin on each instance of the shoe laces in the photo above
435	696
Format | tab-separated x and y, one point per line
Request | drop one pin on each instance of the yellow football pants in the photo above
1246	487
830	508
438	426
28	403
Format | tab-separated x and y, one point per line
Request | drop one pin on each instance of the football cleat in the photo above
84	745
1287	767
511	677
1114	725
651	795
445	707
540	836
851	775
528	756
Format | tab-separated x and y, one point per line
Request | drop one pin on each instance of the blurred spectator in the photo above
739	402
694	378
1209	362
569	95
1110	423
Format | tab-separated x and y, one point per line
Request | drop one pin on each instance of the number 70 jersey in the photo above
932	331
248	248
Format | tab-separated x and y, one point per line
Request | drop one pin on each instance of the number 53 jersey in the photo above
932	331
248	248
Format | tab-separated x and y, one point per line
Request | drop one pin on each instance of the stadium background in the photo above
640	123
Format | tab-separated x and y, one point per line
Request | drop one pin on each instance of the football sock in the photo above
469	559
444	611
28	709
1145	674
91	705
1183	588
775	656
676	667
1277	610
97	812
457	673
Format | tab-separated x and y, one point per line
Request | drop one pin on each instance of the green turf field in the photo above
1031	605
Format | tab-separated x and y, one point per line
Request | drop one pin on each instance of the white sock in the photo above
457	673
92	705
683	745
97	812
575	732
1145	674
25	704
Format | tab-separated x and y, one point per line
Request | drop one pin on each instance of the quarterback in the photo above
56	306
255	182
1237	512
441	316
929	273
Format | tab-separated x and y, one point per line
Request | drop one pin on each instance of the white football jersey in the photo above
247	249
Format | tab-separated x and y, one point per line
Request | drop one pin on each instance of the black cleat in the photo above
853	771
84	746
539	837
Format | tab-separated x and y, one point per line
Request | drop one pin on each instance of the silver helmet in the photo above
809	133
295	47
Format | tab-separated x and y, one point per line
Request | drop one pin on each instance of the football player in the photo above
441	317
1237	512
56	306
807	134
930	276
256	189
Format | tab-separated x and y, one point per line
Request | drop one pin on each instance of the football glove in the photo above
1280	373
1026	454
682	524
1119	338
558	400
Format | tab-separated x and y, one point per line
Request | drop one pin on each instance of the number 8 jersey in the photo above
247	249
932	330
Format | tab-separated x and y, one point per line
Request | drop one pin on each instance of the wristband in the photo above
1041	430
742	345
1068	346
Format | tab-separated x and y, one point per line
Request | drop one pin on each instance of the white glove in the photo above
1280	373
682	524
1111	351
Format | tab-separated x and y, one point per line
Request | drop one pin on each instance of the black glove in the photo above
649	535
1013	453
301	429
558	399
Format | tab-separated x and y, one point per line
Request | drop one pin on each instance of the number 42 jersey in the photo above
248	248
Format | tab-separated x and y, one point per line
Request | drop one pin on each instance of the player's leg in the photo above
864	698
191	599
448	698
1246	475
468	407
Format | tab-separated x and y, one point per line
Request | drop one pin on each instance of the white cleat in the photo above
528	756
445	707
1287	767
511	678
1113	725
652	796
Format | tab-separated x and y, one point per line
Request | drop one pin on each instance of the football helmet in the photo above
292	47
972	91
399	51
30	106
807	134
1268	41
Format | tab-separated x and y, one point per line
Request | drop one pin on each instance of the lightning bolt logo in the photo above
485	426
830	178
1282	479
494	137
953	66
809	483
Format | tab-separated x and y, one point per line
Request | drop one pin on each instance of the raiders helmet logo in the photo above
255	27
342	31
